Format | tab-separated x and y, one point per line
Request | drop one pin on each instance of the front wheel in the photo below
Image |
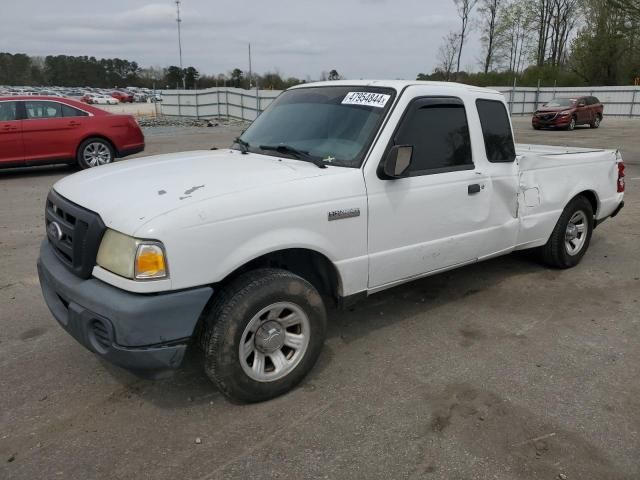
571	236
94	152
572	124
263	334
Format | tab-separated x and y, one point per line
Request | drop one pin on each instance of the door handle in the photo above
473	189
74	124
9	127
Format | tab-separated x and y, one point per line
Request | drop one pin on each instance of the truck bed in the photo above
535	157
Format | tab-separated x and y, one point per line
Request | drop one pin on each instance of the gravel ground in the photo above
504	370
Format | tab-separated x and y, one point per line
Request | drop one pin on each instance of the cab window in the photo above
438	131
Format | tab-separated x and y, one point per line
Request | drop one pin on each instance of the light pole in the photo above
250	72
179	21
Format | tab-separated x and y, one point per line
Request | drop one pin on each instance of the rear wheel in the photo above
263	334
596	122
94	152
571	236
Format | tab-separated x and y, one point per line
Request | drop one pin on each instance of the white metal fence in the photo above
245	105
217	103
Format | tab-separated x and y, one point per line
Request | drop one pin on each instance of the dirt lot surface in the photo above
503	370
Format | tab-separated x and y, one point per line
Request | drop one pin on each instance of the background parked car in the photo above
122	96
569	112
36	130
100	99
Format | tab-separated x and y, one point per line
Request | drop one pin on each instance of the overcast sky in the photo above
359	38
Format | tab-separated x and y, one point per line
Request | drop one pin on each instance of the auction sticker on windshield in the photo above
368	99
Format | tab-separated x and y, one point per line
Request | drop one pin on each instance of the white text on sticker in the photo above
368	99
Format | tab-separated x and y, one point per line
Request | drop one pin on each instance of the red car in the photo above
123	97
38	130
569	112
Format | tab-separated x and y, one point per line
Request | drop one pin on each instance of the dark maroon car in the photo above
569	112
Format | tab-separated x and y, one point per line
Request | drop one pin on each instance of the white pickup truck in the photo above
338	190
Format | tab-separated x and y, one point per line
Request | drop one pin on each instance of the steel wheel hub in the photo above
269	337
575	235
274	342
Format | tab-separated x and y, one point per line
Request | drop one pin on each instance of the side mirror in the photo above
398	161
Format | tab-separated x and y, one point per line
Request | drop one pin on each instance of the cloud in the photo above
361	38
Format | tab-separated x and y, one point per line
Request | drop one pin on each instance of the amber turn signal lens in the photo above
150	262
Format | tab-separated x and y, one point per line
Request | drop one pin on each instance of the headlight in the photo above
566	112
131	257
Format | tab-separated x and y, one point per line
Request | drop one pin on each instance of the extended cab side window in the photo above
496	130
437	129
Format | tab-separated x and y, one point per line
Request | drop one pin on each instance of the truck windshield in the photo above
335	125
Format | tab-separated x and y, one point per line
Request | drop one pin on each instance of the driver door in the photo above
431	218
582	111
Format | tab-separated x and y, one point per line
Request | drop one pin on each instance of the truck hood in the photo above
130	193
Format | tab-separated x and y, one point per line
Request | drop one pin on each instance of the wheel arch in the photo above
307	263
593	199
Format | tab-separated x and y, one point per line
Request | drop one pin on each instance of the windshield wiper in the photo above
299	154
244	146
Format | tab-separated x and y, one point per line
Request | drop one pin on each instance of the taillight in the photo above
621	177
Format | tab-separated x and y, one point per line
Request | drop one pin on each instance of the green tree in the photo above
237	77
173	77
334	75
605	52
191	76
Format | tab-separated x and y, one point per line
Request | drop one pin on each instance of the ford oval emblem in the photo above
54	231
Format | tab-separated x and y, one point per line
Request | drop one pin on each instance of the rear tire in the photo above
263	334
596	122
94	152
571	236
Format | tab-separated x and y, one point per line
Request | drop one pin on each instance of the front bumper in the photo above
142	333
556	122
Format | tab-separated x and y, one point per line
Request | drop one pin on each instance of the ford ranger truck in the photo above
338	190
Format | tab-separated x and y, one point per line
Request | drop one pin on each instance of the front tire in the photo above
572	124
94	152
571	236
263	334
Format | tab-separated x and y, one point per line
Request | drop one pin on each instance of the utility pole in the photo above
250	73
179	21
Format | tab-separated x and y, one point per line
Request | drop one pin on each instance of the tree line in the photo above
82	71
565	42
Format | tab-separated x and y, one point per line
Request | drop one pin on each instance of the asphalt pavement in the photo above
502	370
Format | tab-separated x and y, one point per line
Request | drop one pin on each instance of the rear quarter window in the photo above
496	130
69	111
